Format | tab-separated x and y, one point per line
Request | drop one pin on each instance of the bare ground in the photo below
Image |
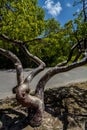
65	109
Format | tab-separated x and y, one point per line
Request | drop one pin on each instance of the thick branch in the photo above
55	70
20	44
16	62
29	78
32	57
35	59
33	74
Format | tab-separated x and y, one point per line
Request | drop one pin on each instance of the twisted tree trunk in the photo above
35	103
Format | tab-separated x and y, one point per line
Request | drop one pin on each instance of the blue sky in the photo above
61	10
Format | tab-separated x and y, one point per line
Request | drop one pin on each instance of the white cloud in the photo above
53	8
68	5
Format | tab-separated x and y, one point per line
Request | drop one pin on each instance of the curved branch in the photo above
77	45
4	37
35	59
20	44
33	74
31	56
35	105
29	78
17	64
55	70
69	57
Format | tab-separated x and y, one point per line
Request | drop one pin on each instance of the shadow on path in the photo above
68	104
12	119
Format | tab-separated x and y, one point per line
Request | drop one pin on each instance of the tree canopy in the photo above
24	20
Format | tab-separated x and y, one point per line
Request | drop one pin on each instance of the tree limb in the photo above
22	91
35	59
77	45
4	37
17	64
55	70
36	102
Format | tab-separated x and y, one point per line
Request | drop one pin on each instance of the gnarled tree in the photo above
35	103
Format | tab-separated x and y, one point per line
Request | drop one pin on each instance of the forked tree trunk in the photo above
35	103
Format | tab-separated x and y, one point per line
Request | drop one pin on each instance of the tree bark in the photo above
35	103
22	90
55	70
17	64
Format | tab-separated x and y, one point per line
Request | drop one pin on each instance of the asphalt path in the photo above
8	79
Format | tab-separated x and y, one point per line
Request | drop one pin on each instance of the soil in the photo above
65	109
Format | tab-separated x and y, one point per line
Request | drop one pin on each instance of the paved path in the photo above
8	79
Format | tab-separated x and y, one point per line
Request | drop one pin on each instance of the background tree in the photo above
21	20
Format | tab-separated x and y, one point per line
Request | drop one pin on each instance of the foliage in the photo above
51	26
21	19
24	20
